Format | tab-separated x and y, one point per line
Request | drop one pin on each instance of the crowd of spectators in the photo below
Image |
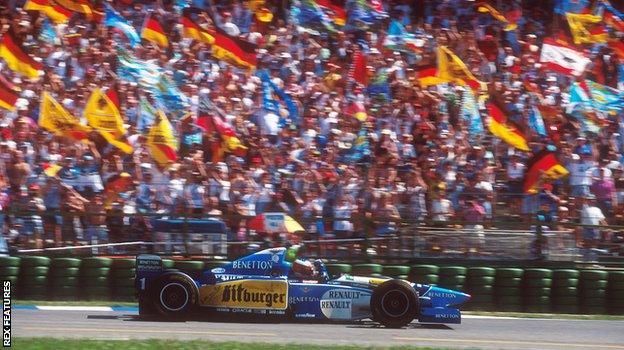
423	166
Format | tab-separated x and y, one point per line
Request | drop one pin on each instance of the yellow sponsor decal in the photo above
376	281
249	294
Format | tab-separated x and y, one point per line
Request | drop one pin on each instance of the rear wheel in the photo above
174	295
394	304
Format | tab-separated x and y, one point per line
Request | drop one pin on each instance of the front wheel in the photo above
394	303
174	295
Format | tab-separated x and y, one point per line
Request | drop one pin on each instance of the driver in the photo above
304	269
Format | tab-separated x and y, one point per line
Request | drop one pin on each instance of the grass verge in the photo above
156	344
73	302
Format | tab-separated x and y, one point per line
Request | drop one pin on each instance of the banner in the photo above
453	69
102	114
161	141
54	118
544	166
115	20
587	29
563	58
16	57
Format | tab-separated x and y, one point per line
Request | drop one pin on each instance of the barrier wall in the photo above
587	291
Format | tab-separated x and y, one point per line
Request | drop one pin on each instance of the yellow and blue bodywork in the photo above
262	283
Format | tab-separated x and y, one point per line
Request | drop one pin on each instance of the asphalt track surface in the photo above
474	332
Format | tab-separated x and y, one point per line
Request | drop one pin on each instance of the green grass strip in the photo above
156	344
546	316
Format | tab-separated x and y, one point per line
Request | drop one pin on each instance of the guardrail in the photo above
409	239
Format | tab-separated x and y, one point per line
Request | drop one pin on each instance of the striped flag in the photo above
544	166
234	49
8	96
191	29
16	57
57	14
502	127
115	20
562	58
336	9
153	32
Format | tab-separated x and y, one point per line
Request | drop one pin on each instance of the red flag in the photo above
359	72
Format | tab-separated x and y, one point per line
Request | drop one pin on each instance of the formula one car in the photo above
265	283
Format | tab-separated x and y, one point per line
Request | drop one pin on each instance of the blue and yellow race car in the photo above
274	282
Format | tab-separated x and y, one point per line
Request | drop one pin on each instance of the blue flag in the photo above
48	34
574	6
270	104
470	113
113	19
536	122
379	86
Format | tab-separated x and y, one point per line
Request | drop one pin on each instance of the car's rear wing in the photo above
148	268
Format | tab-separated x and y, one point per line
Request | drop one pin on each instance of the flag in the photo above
618	47
310	13
161	141
53	117
234	49
357	111
428	75
543	166
147	115
230	141
399	39
514	15
80	6
48	34
536	122
153	32
600	97
574	6
452	68
146	73
550	112
359	150
562	58
191	29
270	104
364	13
358	72
613	18
8	96
502	127
335	10
586	29
102	114
380	87
16	58
470	113
115	20
55	13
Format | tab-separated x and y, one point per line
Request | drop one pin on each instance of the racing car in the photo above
269	282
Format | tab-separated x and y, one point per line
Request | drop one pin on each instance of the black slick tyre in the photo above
174	295
394	304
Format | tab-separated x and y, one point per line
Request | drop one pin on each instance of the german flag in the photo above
612	20
338	12
191	29
56	13
544	166
8	96
617	46
236	50
79	6
503	128
153	31
16	58
428	75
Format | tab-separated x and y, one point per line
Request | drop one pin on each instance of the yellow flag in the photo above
102	114
587	29
55	118
453	69
161	142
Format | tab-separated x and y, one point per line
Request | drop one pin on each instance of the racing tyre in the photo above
565	274
174	295
396	270
594	275
35	261
122	273
614	276
507	272
394	304
541	282
480	280
452	271
537	273
167	264
508	282
366	269
481	272
96	262
9	270
124	263
34	270
600	284
424	279
425	269
9	261
565	282
616	285
66	262
452	280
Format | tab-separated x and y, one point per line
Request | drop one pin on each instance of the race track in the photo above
475	332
